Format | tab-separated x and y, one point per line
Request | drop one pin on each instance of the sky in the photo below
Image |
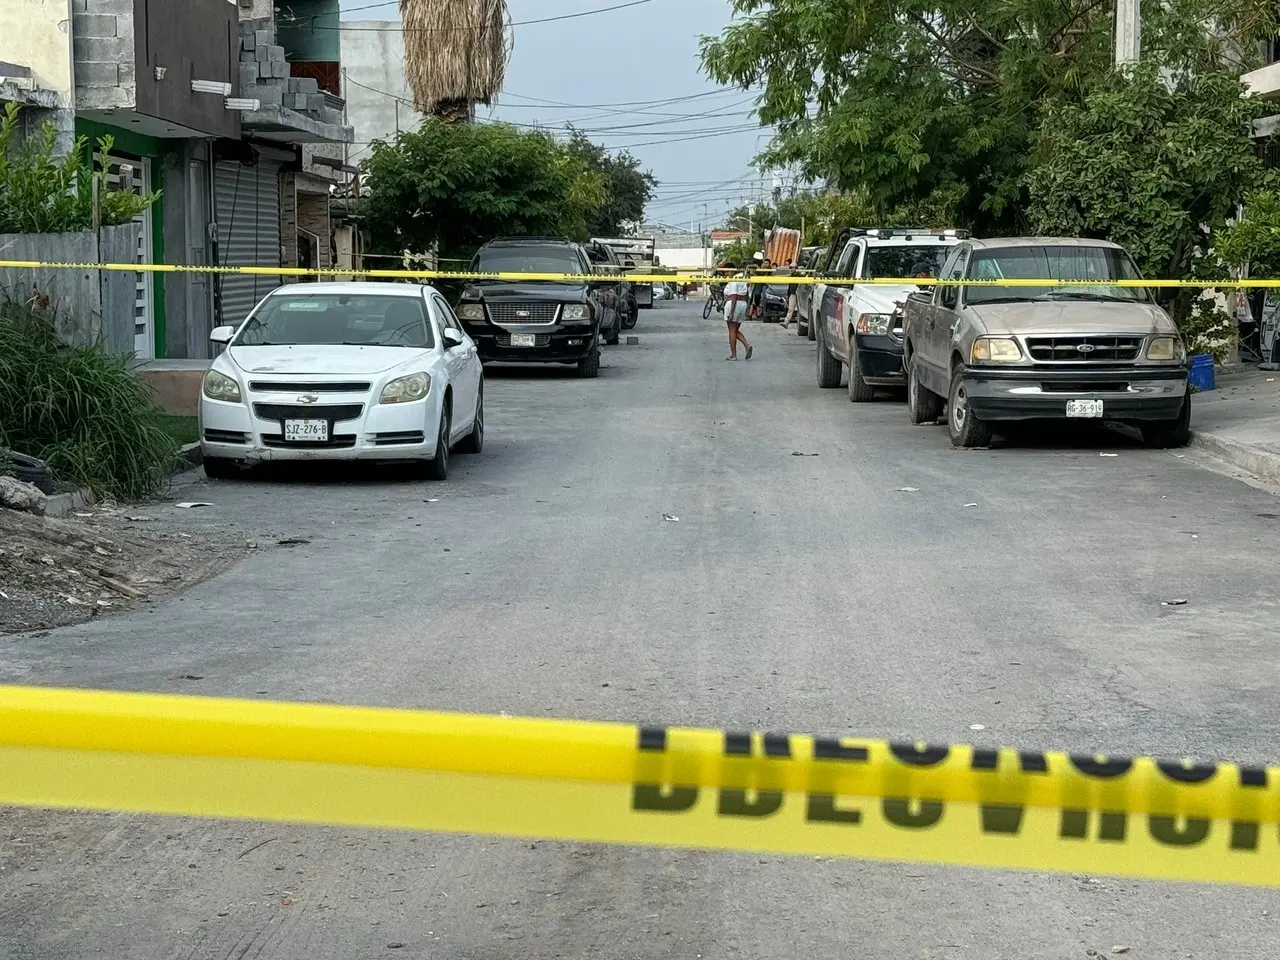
630	78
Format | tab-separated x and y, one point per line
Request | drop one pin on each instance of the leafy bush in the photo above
78	408
41	192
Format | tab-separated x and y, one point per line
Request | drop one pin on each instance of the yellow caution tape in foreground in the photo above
614	783
759	278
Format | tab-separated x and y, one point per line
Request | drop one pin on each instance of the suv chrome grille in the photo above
1084	349
527	312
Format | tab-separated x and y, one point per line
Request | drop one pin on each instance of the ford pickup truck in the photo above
992	354
859	323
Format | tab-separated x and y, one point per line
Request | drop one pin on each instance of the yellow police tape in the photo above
758	278
615	783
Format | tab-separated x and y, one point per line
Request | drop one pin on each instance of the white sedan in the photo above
343	371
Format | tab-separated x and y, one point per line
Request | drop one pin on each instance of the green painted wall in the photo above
310	31
137	144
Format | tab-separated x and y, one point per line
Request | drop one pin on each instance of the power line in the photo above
518	23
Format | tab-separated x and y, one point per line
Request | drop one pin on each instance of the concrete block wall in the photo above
265	75
104	54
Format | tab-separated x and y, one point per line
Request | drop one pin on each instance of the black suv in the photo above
544	321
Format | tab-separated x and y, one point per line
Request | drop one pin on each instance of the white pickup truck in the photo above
859	324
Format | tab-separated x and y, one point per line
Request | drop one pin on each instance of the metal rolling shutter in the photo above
247	207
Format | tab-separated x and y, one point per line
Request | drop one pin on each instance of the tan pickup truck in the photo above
994	354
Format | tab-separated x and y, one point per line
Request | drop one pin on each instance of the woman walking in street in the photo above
736	295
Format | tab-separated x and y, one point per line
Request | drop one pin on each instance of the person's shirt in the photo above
737	287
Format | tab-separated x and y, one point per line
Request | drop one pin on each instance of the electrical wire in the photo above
296	21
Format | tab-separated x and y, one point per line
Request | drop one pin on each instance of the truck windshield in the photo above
904	261
1093	264
531	259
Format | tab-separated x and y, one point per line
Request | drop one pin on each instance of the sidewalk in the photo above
1239	422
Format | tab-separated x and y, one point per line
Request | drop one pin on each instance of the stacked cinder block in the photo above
265	76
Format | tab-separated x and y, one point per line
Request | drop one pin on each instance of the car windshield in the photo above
338	318
904	261
532	259
1093	264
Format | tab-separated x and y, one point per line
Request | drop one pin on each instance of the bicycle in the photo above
714	299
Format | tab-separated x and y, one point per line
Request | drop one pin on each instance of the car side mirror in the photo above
628	264
452	338
222	335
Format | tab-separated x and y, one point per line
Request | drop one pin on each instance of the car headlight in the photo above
218	386
875	324
996	350
576	311
471	311
1165	348
406	389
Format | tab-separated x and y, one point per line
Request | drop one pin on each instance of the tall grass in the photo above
78	408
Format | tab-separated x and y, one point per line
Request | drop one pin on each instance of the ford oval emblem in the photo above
1084	347
522	313
308	398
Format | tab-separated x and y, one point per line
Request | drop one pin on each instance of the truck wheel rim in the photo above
959	408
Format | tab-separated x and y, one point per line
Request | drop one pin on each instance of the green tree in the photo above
1155	164
935	104
458	185
626	188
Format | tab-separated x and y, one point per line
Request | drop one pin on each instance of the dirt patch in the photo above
56	572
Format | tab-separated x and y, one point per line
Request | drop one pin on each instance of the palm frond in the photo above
455	53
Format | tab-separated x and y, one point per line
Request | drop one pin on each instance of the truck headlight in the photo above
471	311
218	386
406	389
875	324
576	311
995	350
1165	348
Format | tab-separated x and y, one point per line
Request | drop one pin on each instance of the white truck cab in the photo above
859	323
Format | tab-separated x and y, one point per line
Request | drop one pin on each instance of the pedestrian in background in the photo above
736	295
791	295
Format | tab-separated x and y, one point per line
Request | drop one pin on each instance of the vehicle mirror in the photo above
222	334
452	338
628	264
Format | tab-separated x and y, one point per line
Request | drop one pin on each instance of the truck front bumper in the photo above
1127	393
880	359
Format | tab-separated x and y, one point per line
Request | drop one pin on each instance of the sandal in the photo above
748	351
731	358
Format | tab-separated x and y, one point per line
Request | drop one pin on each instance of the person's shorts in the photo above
735	310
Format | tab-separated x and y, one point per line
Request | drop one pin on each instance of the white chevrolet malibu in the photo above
343	371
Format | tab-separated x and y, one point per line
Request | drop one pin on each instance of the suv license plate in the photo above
1084	408
306	431
523	339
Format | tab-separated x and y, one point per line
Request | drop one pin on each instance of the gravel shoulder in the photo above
103	561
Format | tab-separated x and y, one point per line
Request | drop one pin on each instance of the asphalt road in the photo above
796	592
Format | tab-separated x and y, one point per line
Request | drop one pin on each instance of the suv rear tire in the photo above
966	429
1163	434
923	405
828	366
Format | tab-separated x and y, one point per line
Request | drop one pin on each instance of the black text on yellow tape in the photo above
614	783
762	278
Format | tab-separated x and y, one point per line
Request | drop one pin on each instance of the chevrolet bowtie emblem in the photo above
308	398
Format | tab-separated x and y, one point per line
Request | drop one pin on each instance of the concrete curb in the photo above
1259	463
64	504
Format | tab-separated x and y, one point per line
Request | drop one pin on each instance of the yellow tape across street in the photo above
1229	283
617	783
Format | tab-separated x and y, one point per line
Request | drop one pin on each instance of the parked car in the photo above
605	259
661	291
540	322
806	266
859	325
994	354
343	371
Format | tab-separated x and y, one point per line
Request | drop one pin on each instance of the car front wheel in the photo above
965	428
1169	433
473	442
220	468
437	468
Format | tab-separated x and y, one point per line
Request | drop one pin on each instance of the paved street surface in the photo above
804	593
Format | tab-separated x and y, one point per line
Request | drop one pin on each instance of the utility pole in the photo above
1128	32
